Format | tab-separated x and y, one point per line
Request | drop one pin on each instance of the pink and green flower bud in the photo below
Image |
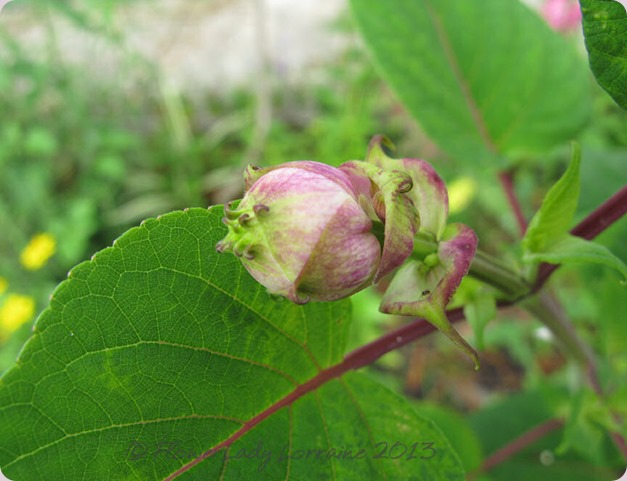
301	230
306	230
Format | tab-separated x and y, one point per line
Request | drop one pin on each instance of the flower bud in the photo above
301	231
306	231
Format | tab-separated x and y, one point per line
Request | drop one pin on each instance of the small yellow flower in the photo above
15	311
3	285
460	193
40	248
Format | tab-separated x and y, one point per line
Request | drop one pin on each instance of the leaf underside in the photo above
484	78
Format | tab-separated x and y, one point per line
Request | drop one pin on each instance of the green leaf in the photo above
572	249
159	350
457	430
350	414
605	32
552	222
586	427
479	310
547	238
485	78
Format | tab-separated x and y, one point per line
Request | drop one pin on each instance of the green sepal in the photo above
424	289
428	194
384	194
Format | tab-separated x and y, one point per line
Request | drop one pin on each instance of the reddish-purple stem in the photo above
393	340
518	444
604	216
507	181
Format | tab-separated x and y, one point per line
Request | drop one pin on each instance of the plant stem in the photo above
507	181
603	216
517	445
405	334
545	308
494	272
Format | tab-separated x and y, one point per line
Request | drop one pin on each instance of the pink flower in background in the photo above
3	3
562	15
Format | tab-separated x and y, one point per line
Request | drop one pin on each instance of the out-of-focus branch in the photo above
517	445
507	181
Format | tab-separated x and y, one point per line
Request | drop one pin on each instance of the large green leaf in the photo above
485	78
350	414
605	30
457	429
159	349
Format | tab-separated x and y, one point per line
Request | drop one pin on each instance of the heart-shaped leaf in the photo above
160	358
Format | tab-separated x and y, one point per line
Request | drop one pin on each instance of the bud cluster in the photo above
309	231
